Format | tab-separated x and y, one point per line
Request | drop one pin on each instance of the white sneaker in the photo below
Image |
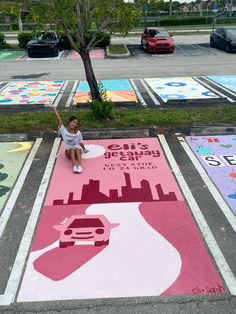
79	169
74	169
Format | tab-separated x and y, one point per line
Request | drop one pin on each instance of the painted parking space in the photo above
30	92
60	56
227	81
11	55
218	156
94	54
116	90
101	238
179	88
12	158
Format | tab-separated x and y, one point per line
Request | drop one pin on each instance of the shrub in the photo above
24	38
102	109
2	41
104	40
65	43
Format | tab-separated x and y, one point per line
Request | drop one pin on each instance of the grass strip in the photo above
117	49
124	118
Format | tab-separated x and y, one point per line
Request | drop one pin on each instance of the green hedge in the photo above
102	42
2	41
24	38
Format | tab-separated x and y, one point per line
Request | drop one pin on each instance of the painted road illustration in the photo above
116	90
12	157
30	92
119	229
179	88
218	156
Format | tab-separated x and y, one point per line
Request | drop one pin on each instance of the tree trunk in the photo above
170	8
90	76
20	24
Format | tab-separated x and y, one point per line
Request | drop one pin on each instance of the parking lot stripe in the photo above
212	89
210	185
5	86
220	260
220	86
59	96
18	186
69	100
22	253
156	102
140	97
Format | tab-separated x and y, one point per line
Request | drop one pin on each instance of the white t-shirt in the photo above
72	140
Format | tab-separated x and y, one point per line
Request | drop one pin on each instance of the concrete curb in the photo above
125	55
87	134
213	130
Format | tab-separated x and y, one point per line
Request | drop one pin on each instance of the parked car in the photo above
45	44
80	228
224	37
156	39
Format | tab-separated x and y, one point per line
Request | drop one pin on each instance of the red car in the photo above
156	39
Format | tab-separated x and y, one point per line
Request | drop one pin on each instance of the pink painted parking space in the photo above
100	237
94	54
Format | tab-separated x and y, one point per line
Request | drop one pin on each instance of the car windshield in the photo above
231	32
86	223
158	33
47	36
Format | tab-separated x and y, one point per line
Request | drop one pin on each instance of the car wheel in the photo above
56	52
106	242
65	244
147	48
228	48
100	243
212	44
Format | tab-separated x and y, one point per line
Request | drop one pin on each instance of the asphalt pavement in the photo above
189	242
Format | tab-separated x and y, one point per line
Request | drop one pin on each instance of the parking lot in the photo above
169	215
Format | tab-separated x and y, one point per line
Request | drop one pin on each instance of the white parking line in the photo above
5	86
156	102
18	186
220	86
220	260
138	93
213	89
18	266
60	94
211	187
73	91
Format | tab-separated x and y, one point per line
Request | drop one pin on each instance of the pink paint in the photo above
156	248
57	264
197	268
140	163
80	228
94	54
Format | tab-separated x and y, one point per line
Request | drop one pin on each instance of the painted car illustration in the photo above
81	228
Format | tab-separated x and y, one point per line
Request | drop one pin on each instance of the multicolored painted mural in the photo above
179	88
30	92
100	237
12	157
228	81
217	154
94	54
117	91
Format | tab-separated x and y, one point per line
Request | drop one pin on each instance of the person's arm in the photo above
83	147
59	121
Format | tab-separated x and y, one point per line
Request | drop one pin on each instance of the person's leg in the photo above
78	153
71	154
